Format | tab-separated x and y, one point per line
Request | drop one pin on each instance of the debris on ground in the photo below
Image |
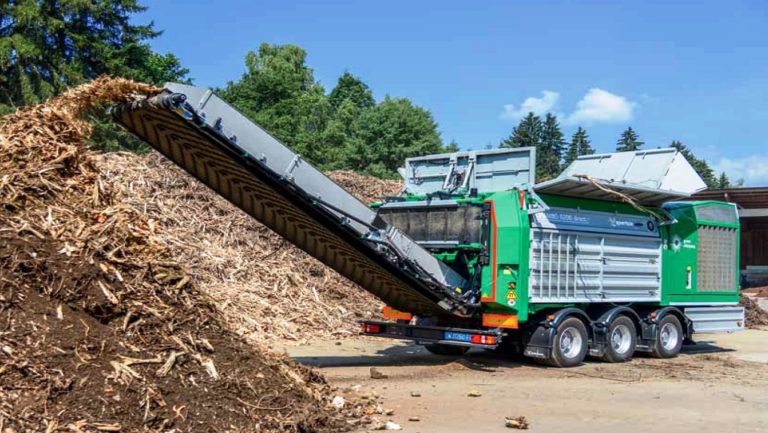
415	394
474	393
338	402
104	326
267	289
517	422
414	419
376	374
390	425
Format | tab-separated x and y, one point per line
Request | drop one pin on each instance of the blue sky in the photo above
695	71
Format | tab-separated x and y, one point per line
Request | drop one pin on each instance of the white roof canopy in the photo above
648	176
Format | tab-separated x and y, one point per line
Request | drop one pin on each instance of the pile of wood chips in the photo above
267	289
756	317
103	326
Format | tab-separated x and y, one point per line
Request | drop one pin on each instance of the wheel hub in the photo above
668	336
571	343
621	339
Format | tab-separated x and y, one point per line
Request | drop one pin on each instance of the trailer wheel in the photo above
669	337
570	345
622	339
446	349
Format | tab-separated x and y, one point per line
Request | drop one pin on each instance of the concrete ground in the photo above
721	384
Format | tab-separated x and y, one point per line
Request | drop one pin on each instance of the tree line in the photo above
554	153
345	128
47	46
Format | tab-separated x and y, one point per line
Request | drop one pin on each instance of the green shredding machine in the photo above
605	260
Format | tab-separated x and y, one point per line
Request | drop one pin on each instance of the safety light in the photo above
483	339
368	328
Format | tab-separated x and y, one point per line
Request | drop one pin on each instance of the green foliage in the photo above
47	46
579	145
390	132
343	130
350	87
723	182
629	141
702	168
453	146
526	134
279	92
545	136
549	153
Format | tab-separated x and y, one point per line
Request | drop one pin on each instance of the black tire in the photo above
446	349
571	331
669	337
622	340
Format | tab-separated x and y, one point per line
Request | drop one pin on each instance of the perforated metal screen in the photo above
717	251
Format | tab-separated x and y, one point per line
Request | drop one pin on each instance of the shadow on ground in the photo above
475	359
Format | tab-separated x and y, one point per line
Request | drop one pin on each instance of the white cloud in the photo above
537	106
753	169
596	106
600	105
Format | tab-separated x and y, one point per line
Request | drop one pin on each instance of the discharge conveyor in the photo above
244	164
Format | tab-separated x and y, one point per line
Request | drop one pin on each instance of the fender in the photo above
541	337
649	323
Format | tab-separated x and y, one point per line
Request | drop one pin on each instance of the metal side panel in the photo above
240	174
591	257
716	318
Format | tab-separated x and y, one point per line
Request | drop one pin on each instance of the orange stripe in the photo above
500	321
391	313
493	260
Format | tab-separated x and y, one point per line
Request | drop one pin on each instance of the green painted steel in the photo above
681	247
504	279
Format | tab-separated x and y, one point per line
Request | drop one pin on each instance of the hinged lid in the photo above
649	176
484	170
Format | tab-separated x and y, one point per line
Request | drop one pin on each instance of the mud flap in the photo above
539	343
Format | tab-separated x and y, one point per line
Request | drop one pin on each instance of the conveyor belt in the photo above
202	148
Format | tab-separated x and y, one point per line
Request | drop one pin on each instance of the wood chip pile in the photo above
102	325
267	289
756	317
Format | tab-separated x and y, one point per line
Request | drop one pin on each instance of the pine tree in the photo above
723	182
579	145
526	134
629	141
699	165
453	146
47	46
550	151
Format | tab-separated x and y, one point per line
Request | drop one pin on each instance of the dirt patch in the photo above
102	326
759	292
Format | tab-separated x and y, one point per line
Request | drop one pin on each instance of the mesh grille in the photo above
716	259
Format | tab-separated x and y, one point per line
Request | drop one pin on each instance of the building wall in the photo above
754	242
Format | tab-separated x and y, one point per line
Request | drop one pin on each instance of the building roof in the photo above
744	198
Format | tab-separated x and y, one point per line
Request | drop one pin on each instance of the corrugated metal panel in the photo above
567	264
716	269
716	319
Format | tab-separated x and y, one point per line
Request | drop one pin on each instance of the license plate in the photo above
457	336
